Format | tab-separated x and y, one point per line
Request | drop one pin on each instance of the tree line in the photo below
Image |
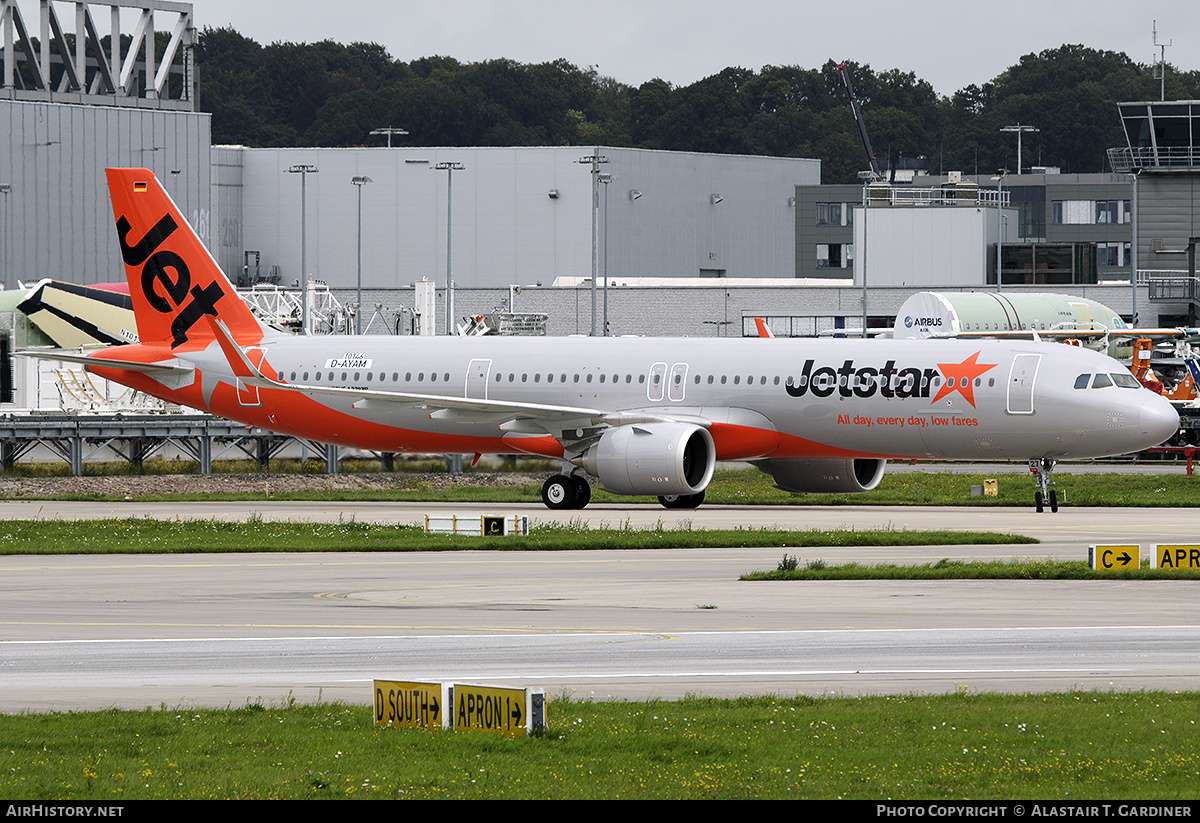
329	94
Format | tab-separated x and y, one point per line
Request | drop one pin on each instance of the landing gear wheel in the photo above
558	492
1041	469
681	501
582	490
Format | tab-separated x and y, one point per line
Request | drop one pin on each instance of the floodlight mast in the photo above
844	71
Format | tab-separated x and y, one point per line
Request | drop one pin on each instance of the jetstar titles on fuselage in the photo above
889	381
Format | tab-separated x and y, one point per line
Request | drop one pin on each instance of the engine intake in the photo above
652	458
799	475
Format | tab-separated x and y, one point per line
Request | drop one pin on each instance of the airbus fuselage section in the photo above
758	397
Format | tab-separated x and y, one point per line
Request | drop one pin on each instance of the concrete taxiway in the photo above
85	632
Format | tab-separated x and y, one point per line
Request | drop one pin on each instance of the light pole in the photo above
304	170
5	188
999	178
449	168
862	253
606	179
359	181
1019	129
594	160
1133	246
389	131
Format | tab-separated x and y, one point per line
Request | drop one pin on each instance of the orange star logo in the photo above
960	377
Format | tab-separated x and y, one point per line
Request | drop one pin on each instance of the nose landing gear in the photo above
1044	494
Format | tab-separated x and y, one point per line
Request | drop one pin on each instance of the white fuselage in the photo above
763	397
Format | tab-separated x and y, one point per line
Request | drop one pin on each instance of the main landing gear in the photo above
566	492
572	491
1044	493
681	501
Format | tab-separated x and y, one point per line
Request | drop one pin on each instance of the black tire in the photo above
583	492
681	501
1037	501
558	492
1053	501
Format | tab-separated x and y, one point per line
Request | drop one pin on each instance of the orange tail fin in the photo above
173	280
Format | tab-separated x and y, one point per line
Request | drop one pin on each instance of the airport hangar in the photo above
691	243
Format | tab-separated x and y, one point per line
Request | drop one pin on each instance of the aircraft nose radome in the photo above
1159	420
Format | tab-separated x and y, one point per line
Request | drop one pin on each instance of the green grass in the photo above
1073	746
790	568
934	488
148	536
156	466
751	487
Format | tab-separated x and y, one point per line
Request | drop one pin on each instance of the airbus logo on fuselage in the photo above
851	381
168	270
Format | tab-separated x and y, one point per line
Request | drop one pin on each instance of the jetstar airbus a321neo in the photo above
643	416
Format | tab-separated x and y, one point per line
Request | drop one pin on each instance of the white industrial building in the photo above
515	215
918	247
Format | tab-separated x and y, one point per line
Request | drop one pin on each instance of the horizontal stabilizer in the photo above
78	356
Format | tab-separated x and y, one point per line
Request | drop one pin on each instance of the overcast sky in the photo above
950	44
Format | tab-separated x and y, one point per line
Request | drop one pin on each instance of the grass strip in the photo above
1076	745
751	487
148	536
945	569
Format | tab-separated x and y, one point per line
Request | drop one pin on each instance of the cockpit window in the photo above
1101	381
1126	381
1081	382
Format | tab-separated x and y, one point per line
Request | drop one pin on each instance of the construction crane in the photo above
844	71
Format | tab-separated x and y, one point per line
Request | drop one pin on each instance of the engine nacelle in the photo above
823	476
652	458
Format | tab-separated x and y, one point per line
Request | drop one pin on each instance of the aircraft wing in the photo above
80	356
506	414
